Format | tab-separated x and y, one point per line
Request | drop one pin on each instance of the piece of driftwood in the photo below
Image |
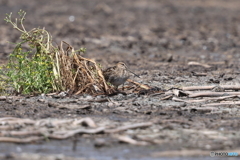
203	100
221	98
21	140
50	123
152	138
13	120
212	94
129	140
86	122
133	126
225	103
225	87
6	128
61	122
179	93
69	133
20	133
198	64
192	88
166	97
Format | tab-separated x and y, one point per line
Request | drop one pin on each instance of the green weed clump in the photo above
30	75
43	68
31	70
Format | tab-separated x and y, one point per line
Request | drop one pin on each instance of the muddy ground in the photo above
157	39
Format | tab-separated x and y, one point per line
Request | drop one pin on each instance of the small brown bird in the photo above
118	74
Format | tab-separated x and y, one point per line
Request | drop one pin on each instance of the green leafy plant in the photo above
31	70
42	68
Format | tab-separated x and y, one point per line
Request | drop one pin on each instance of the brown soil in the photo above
156	39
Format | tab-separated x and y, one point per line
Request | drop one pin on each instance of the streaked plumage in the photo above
117	75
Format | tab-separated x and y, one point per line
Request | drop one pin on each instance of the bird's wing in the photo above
107	73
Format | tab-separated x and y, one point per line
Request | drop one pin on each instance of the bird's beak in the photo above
134	73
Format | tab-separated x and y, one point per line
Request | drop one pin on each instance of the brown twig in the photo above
139	84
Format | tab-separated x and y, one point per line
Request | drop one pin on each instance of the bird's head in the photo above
121	65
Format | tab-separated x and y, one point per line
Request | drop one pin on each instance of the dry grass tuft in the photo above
76	73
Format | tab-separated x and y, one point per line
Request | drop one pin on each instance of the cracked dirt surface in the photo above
157	40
